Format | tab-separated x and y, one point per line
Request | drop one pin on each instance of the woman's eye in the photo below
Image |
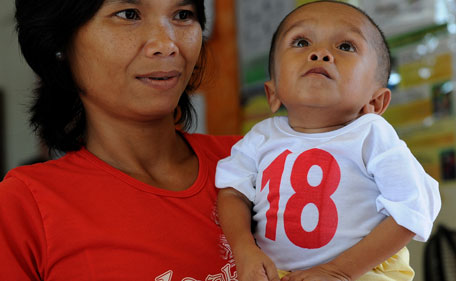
129	14
347	47
300	43
184	15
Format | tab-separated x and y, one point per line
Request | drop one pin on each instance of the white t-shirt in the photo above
316	195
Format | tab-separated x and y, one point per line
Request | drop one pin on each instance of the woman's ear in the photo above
378	103
271	94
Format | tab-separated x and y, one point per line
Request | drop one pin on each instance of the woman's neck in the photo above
150	152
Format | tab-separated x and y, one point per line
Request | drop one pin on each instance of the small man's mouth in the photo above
318	70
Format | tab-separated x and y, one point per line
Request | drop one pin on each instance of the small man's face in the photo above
325	62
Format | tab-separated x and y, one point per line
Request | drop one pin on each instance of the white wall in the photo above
16	81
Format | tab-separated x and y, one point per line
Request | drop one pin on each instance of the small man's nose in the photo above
323	55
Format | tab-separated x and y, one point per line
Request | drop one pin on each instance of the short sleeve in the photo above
22	241
407	192
240	169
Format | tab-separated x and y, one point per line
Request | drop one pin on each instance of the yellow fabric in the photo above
282	273
396	268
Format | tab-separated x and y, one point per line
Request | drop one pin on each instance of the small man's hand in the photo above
322	272
254	265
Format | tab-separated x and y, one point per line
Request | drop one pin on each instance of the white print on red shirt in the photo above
225	248
226	274
305	194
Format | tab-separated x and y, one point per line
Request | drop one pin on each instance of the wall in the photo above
16	81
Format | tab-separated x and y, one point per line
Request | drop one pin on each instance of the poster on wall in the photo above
423	105
256	22
396	17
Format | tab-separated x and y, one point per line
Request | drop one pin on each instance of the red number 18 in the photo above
304	194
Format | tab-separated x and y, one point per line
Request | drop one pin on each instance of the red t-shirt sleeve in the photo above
22	239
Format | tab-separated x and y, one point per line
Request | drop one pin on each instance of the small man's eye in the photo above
184	15
346	46
130	14
300	42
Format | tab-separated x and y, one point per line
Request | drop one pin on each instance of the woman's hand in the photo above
254	265
324	272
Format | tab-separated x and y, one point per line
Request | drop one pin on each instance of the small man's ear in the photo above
378	103
271	94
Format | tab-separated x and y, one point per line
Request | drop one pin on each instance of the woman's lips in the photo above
160	80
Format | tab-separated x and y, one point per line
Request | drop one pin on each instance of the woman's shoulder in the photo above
48	170
19	181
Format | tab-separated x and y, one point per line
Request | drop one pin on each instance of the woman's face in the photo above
134	58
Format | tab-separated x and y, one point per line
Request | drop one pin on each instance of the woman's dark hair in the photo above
47	27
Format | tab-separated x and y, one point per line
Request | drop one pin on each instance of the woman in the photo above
133	198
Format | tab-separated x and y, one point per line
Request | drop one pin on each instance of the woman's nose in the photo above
161	42
321	54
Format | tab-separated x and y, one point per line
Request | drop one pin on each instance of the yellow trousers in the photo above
396	268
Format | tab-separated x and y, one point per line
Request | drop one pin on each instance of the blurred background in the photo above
422	38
